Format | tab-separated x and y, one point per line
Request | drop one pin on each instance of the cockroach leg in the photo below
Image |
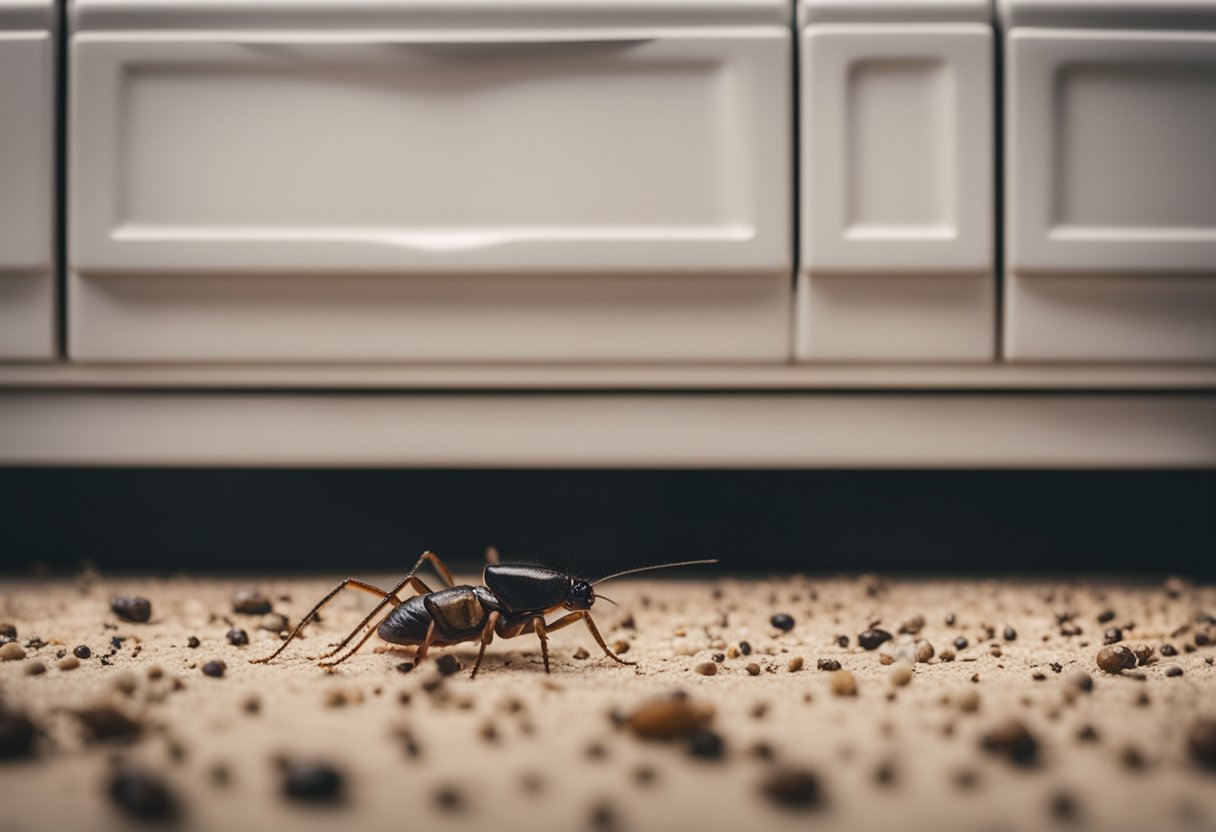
420	654
538	625
487	636
411	578
567	620
349	583
389	597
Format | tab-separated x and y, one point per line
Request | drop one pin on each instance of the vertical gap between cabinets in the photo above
998	174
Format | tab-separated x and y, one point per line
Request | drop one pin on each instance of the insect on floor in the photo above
1010	725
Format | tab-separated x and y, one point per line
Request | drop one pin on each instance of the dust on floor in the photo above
1005	736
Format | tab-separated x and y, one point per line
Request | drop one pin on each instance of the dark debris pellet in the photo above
106	723
828	664
745	648
450	799
193	642
312	782
603	816
237	637
960	643
250	602
142	796
1115	659
792	788
82	651
1010	634
706	744
1013	741
17	735
1173	670
1201	742
1168	650
214	668
448	664
131	608
782	621
872	639
1112	635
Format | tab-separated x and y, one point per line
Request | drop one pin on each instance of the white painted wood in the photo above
514	194
622	430
954	377
1111	196
897	247
27	180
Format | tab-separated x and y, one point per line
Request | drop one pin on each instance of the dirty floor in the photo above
515	749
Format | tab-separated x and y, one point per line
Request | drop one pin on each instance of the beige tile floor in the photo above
563	742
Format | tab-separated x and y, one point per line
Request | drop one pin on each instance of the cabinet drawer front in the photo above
27	189
897	148
600	151
1112	152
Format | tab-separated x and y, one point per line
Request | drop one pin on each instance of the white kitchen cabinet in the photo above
27	179
405	180
1111	181
897	126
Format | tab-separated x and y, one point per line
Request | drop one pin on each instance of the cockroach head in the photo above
580	595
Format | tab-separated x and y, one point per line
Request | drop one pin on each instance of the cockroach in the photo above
514	601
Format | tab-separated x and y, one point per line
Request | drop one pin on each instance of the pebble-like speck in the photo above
131	608
237	637
873	639
17	735
214	668
82	651
792	788
782	622
142	796
312	782
901	674
1201	742
843	683
250	602
706	744
1012	740
705	668
11	652
1173	670
1115	658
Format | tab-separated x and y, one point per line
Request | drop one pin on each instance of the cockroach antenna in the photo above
649	568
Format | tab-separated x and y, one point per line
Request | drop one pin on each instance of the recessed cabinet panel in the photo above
1112	196
897	190
27	184
385	177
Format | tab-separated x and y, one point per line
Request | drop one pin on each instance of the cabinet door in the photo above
1111	185
27	188
897	192
521	195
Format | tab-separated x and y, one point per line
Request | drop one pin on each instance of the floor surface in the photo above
517	749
